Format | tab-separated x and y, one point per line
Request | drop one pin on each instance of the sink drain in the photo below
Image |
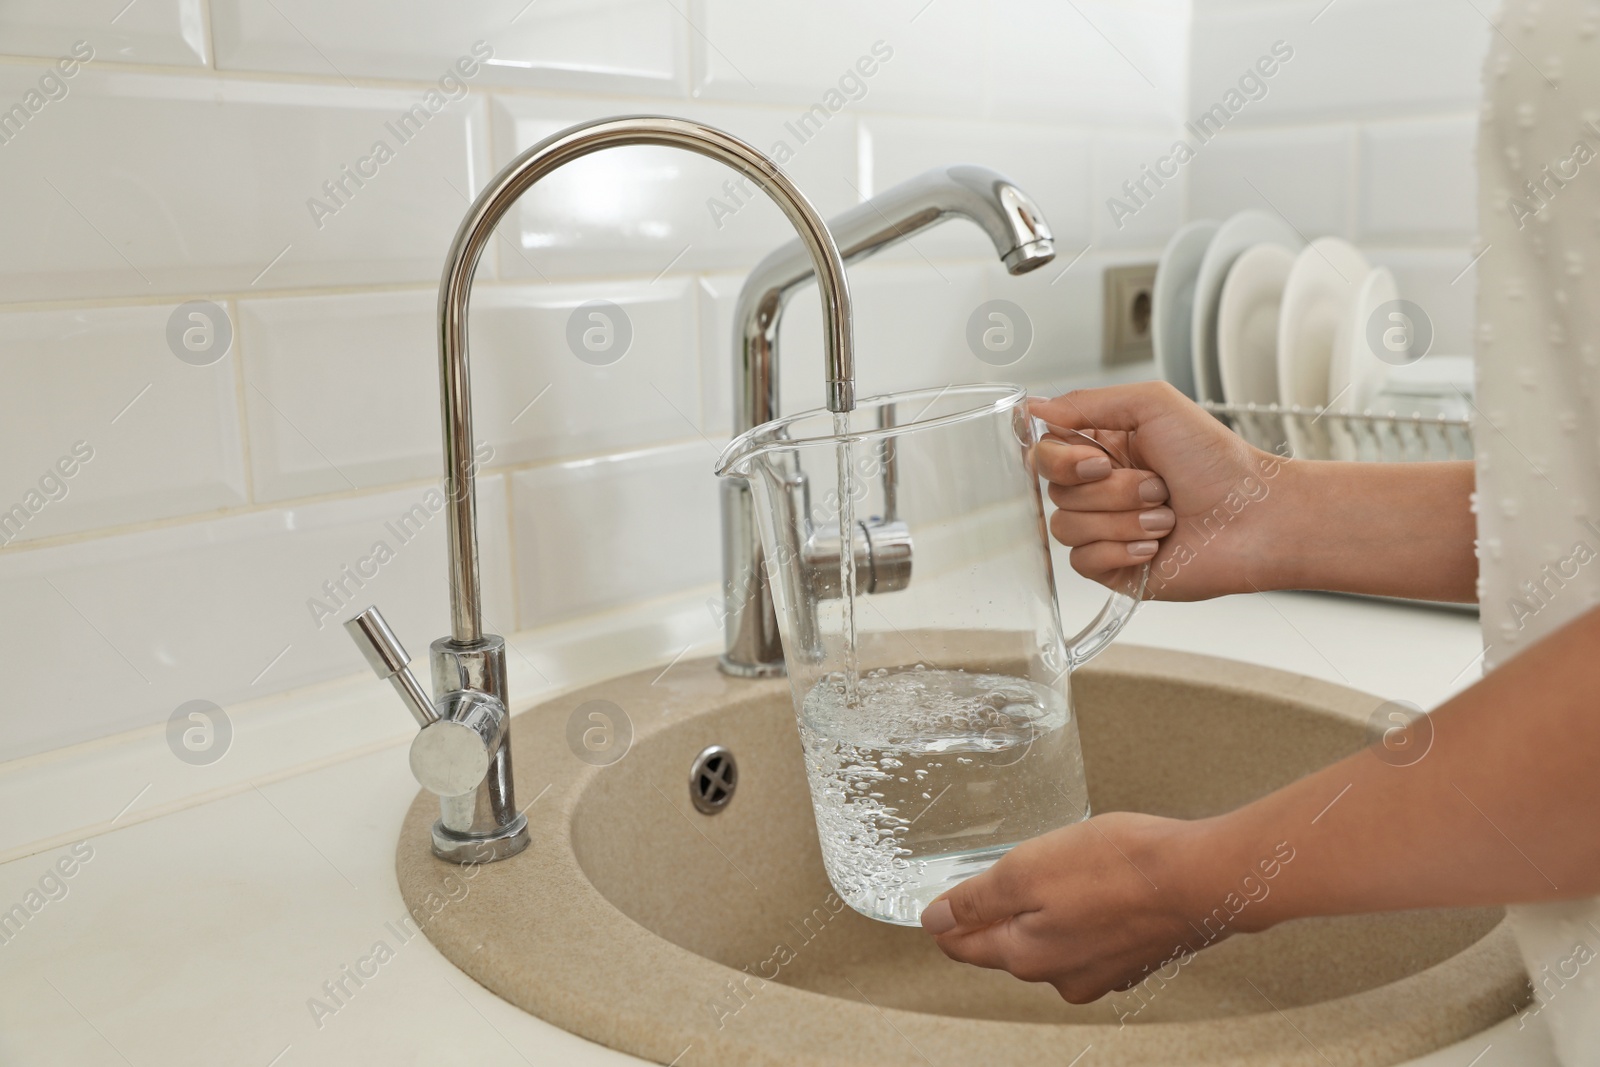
712	780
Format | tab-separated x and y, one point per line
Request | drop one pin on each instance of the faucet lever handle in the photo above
452	752
388	659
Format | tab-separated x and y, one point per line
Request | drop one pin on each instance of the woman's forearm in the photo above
1485	816
1389	529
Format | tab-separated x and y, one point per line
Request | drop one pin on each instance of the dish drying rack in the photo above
1366	436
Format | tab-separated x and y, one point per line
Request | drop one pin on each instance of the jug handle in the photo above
1087	643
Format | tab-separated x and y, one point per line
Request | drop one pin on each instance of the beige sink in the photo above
644	925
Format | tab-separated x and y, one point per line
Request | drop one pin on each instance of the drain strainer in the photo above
712	780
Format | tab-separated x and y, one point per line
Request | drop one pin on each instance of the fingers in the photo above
1123	490
1062	463
972	923
1111	521
1102	559
1075	528
980	901
995	946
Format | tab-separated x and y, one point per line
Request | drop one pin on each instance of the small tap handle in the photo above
451	753
388	660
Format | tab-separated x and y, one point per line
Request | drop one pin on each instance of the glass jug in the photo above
943	733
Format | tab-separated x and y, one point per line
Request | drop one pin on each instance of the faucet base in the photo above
458	847
737	669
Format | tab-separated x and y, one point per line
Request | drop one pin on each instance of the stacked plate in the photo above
1247	312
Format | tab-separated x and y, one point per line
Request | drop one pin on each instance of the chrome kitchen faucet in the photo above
1021	237
463	749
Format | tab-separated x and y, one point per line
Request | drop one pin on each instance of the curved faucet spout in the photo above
817	248
1015	225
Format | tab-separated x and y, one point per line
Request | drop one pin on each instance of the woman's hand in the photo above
1088	908
1193	499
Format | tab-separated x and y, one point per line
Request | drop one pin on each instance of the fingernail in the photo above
1153	490
1157	520
1143	549
940	918
1091	469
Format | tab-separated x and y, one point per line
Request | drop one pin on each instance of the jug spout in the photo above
737	458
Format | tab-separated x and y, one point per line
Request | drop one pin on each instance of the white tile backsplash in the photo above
644	210
342	392
246	152
842	56
537	400
1302	174
165	32
597	533
1106	63
142	184
1369	58
602	45
1418	180
1365	132
97	391
1443	282
225	610
1147	216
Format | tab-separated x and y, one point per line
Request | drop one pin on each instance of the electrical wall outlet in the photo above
1125	324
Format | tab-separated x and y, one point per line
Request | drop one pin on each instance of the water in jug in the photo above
927	663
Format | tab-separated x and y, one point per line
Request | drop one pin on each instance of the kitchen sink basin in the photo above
639	922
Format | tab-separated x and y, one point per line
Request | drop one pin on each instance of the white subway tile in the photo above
636	46
521	340
596	533
1419	179
340	392
162	435
1301	173
1137	219
1062	300
903	55
645	210
1049	164
169	32
222	610
1355	58
717	294
343	391
1105	63
1440	282
138	184
1211	7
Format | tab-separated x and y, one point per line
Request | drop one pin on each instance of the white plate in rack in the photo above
1173	300
1355	374
1247	336
1240	233
1317	298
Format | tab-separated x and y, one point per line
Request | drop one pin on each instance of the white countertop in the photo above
218	901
